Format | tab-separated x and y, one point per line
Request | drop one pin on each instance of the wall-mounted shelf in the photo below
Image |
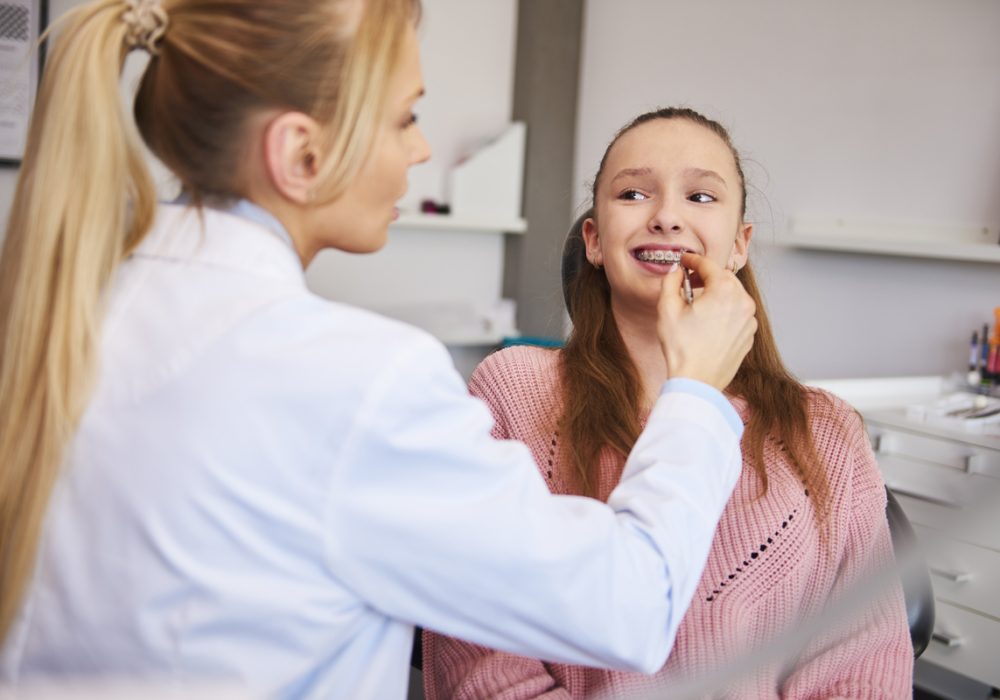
447	222
974	252
960	243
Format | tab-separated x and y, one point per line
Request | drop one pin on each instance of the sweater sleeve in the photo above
485	385
870	656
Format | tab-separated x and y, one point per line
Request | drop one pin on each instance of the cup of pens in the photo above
984	355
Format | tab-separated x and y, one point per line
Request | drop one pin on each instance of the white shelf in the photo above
447	222
956	242
969	252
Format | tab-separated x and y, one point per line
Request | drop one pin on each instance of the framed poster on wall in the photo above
21	23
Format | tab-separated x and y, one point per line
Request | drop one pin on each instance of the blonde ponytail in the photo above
84	199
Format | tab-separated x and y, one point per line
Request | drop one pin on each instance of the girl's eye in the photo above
632	195
702	197
411	119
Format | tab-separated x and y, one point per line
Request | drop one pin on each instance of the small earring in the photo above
733	268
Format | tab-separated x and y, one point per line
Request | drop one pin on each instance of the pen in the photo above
982	413
984	347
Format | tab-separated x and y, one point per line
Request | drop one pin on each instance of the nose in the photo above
421	151
667	217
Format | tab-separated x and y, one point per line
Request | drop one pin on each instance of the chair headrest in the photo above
574	256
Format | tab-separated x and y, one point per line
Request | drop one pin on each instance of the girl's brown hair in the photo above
600	382
85	197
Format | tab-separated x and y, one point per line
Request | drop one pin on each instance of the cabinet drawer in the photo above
952	454
924	480
965	642
928	449
962	573
977	525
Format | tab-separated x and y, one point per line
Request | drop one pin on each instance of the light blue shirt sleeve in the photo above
713	396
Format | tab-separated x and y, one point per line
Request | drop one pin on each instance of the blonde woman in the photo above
807	518
208	472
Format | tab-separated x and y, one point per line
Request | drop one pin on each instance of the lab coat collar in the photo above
242	237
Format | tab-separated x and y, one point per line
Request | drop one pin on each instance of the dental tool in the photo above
688	293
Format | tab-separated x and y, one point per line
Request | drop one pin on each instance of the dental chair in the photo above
917	591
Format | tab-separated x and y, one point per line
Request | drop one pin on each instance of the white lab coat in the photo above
271	488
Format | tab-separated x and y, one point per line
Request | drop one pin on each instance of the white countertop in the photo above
885	400
884	392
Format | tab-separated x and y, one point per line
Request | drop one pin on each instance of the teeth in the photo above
659	256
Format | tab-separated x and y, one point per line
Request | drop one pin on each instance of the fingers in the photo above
708	339
670	291
703	269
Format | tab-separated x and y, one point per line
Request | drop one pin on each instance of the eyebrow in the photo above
701	172
632	172
417	94
691	172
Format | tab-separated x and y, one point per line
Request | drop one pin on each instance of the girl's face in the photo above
362	214
667	185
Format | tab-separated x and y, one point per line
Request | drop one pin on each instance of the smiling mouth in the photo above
659	256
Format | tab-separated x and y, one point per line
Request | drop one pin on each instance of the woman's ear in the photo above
592	241
741	247
292	155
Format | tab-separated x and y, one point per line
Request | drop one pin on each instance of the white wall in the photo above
883	110
468	64
467	51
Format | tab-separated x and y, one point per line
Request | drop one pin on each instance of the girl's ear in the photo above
592	241
741	246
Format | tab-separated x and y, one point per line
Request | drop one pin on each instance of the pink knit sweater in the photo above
767	567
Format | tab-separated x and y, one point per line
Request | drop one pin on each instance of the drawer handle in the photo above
971	463
956	576
979	464
949	640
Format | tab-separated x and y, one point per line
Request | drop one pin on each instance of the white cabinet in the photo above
948	482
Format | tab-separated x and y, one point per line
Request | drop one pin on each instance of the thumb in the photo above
670	292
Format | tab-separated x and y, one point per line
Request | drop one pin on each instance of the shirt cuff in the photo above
713	396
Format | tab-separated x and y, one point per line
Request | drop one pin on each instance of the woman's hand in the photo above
707	339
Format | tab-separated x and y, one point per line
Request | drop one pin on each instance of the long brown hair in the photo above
600	382
85	197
